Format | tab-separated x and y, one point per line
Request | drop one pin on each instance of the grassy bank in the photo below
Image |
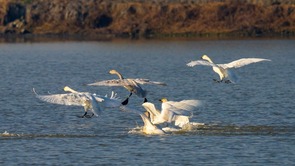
138	18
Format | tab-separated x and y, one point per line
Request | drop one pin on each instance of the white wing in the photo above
95	106
150	107
201	62
156	116
108	102
113	96
147	81
63	99
115	82
112	101
125	82
183	107
167	115
242	62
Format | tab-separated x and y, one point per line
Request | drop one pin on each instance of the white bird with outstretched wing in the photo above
223	70
90	102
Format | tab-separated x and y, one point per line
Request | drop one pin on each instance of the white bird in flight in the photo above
180	111
222	70
89	101
132	85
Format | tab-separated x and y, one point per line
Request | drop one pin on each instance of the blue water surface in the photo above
248	123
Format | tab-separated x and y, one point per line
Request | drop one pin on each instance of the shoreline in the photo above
64	38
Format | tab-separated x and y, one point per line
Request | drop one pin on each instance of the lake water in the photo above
249	123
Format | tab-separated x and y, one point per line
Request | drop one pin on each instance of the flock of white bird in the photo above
176	113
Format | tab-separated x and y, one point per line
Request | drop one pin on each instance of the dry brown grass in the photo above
135	17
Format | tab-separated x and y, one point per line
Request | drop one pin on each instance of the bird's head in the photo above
205	57
163	100
68	89
113	71
117	73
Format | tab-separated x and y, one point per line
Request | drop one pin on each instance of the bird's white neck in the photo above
117	73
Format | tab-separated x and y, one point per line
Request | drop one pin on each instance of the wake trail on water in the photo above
193	128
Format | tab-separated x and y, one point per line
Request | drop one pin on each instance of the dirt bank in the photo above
146	18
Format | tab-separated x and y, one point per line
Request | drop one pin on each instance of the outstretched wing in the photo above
109	102
188	104
201	62
125	82
147	81
150	107
115	82
184	107
62	99
242	62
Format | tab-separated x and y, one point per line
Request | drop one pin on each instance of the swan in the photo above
87	100
148	128
222	70
132	85
180	111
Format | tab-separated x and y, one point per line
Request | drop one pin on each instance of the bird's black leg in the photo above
130	94
83	115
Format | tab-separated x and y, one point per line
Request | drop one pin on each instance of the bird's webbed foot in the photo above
89	116
125	102
217	81
227	81
145	100
84	115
